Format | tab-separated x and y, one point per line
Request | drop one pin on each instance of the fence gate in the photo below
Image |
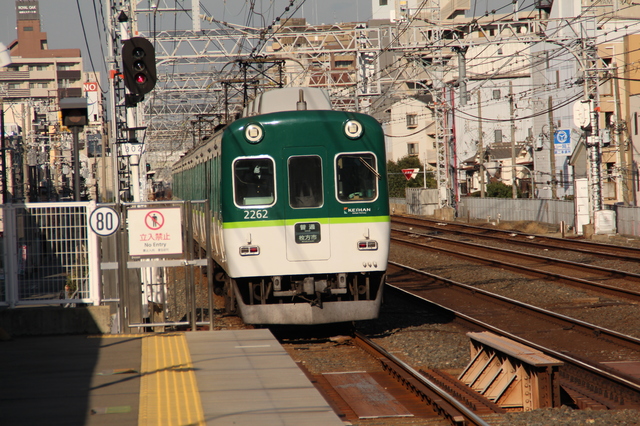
49	257
156	271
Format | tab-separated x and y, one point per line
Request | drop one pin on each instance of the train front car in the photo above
306	214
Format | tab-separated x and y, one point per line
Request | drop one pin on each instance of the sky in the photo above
60	19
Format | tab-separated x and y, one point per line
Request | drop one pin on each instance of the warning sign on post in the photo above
155	232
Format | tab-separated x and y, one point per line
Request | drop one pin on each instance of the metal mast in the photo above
443	130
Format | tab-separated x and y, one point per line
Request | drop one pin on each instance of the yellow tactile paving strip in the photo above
168	389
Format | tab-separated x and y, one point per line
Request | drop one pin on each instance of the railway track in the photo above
392	389
592	356
520	238
613	282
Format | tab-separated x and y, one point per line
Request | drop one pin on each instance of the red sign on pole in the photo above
410	173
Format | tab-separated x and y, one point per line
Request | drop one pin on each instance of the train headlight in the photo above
253	133
353	129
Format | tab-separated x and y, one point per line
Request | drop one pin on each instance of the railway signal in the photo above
139	65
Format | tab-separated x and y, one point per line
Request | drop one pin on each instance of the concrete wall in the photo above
42	321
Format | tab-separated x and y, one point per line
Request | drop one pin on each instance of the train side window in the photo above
305	181
356	177
253	181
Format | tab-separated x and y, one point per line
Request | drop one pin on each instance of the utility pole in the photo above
591	83
552	149
514	189
5	192
481	145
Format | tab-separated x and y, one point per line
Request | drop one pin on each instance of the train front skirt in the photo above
307	314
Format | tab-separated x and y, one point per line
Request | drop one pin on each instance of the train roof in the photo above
287	99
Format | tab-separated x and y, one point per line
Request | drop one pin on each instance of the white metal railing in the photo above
50	256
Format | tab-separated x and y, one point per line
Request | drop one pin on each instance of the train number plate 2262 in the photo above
307	232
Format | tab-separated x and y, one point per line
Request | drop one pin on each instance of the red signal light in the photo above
139	65
141	78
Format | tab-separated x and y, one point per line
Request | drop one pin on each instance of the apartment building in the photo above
40	150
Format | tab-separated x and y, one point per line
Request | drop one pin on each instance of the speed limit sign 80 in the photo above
104	221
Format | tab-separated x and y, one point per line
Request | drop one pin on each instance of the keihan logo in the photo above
357	210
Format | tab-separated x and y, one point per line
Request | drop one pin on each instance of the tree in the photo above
397	181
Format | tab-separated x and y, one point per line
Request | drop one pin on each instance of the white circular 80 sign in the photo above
104	221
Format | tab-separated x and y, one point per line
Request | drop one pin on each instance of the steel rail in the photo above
449	407
619	338
544	242
519	268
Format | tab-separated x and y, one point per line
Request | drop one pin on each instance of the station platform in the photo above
219	378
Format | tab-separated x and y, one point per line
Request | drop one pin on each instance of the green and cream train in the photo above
300	209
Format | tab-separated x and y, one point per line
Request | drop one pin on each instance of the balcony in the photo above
17	93
14	75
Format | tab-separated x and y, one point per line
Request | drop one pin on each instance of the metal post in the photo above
514	189
619	128
593	146
5	198
190	284
462	74
552	150
121	255
481	145
207	226
76	162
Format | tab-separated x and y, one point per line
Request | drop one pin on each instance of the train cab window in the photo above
305	181
356	177
253	181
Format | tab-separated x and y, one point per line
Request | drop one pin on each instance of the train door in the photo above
306	225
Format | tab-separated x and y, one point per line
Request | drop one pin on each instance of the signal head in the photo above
139	65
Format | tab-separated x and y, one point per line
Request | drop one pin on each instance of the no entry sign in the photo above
155	231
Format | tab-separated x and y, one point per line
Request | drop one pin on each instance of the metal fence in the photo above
547	211
49	255
628	220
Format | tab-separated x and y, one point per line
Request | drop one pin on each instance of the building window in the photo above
38	85
27	28
412	120
412	149
496	94
343	64
383	2
498	135
13	86
609	120
67	67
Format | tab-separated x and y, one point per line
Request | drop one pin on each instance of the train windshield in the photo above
305	181
254	181
357	177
